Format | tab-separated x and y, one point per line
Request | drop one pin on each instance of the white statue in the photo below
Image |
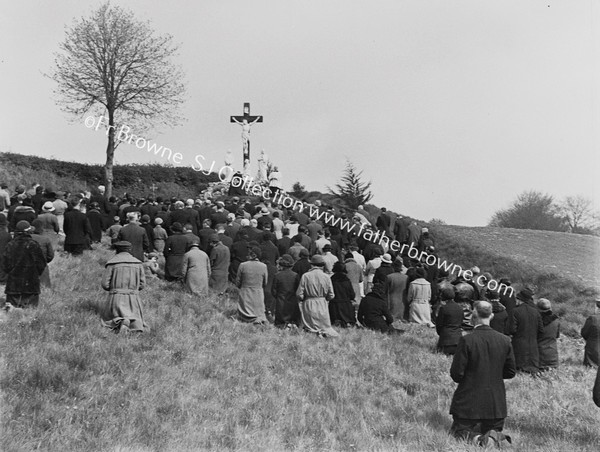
245	131
246	170
229	158
262	166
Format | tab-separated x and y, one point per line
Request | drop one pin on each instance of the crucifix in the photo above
153	188
246	120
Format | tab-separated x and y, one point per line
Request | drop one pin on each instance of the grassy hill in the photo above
182	182
200	380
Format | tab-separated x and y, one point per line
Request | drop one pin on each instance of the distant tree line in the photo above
536	210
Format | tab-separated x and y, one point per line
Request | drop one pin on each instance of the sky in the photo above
450	108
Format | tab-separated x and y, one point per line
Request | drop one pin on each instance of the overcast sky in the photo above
451	108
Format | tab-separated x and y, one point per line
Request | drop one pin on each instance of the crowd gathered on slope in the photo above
290	270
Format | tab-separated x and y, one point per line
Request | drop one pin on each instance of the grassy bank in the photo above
200	380
555	262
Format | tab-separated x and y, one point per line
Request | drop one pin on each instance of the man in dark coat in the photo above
302	265
23	262
527	329
508	300
482	360
5	237
596	390
133	233
96	220
448	322
591	333
268	249
373	312
285	284
77	229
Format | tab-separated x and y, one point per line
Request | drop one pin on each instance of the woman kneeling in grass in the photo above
123	278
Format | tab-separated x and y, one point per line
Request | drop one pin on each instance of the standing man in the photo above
482	360
591	334
528	328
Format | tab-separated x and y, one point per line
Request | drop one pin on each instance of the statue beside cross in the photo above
246	120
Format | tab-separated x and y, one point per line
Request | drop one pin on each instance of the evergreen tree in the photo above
351	189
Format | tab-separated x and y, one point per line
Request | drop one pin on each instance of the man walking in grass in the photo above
481	362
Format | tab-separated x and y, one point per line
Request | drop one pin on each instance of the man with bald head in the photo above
482	361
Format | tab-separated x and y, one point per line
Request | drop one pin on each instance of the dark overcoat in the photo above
23	262
482	360
591	333
136	235
527	329
77	228
341	308
374	313
448	324
285	284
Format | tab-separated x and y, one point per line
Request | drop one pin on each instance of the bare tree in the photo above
113	64
579	213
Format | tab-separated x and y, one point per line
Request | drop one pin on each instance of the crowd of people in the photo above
290	270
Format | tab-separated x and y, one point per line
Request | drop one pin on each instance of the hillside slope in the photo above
573	256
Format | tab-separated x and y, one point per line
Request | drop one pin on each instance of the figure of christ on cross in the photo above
246	121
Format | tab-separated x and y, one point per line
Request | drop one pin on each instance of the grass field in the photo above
200	380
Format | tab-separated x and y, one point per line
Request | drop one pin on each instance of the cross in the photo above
246	129
153	187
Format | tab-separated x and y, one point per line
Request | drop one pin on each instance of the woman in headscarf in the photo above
419	295
341	309
123	278
195	269
252	277
314	291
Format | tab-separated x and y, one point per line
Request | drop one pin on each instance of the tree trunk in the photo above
110	155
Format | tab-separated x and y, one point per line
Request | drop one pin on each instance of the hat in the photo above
264	210
317	260
423	230
286	261
145	218
220	203
230	216
190	202
23	226
176	227
304	253
117	218
544	304
386	258
235	198
179	204
420	272
95	205
123	245
447	292
20	189
327	247
48	207
132	215
158	220
245	222
214	238
525	295
475	270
